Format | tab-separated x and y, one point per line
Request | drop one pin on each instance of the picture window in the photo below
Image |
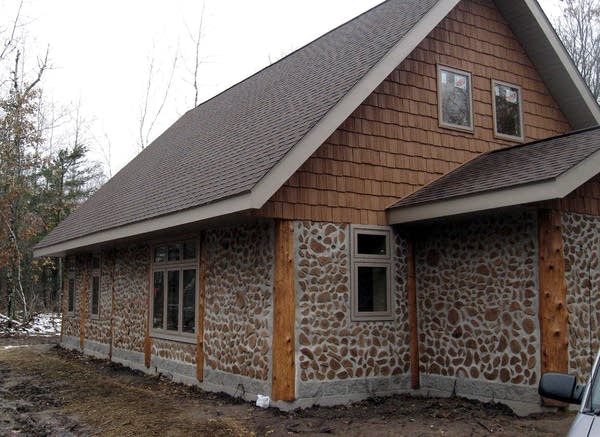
455	99
174	289
508	111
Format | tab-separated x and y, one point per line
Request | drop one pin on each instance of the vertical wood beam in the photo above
412	314
201	307
147	338
84	302
111	332
553	313
284	314
64	298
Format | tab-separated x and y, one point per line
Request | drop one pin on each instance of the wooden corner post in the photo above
284	314
201	306
147	337
553	314
413	323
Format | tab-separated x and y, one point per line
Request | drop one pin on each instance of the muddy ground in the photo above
45	390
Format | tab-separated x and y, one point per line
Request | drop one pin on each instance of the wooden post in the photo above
412	315
201	306
64	298
112	304
147	338
553	313
284	314
84	302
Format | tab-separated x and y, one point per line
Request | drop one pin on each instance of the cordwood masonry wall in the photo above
477	289
238	322
477	285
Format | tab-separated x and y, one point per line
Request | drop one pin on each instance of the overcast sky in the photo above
101	50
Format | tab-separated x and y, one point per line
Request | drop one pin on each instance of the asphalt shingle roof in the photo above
224	147
504	168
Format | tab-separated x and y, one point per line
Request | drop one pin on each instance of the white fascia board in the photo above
479	202
564	57
305	148
556	188
227	206
575	177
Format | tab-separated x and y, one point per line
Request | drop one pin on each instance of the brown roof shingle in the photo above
513	166
223	147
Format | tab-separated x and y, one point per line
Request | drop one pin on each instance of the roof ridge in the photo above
288	55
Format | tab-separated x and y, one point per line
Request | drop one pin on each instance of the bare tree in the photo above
579	29
9	43
148	114
196	39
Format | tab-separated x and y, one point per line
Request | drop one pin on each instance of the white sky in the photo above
100	52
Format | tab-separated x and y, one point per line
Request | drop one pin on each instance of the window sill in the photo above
458	128
174	337
509	138
378	318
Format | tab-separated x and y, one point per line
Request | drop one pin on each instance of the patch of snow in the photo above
44	324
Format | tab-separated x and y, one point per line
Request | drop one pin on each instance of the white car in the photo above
563	387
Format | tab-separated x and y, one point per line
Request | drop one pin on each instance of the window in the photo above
95	286
508	111
454	99
174	289
71	286
371	273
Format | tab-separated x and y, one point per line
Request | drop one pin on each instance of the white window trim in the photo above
495	125
442	123
363	260
165	267
93	273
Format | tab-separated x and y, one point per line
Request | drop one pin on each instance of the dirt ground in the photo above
47	391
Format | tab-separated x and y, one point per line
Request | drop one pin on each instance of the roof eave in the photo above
485	201
231	205
554	188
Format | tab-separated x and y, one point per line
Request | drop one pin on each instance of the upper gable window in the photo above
455	98
508	111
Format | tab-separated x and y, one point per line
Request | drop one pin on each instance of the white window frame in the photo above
370	260
95	273
71	276
494	111
170	266
442	123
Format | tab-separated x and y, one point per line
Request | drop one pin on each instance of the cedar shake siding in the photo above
392	144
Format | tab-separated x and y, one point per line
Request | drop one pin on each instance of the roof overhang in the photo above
515	195
530	24
290	163
541	43
221	208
